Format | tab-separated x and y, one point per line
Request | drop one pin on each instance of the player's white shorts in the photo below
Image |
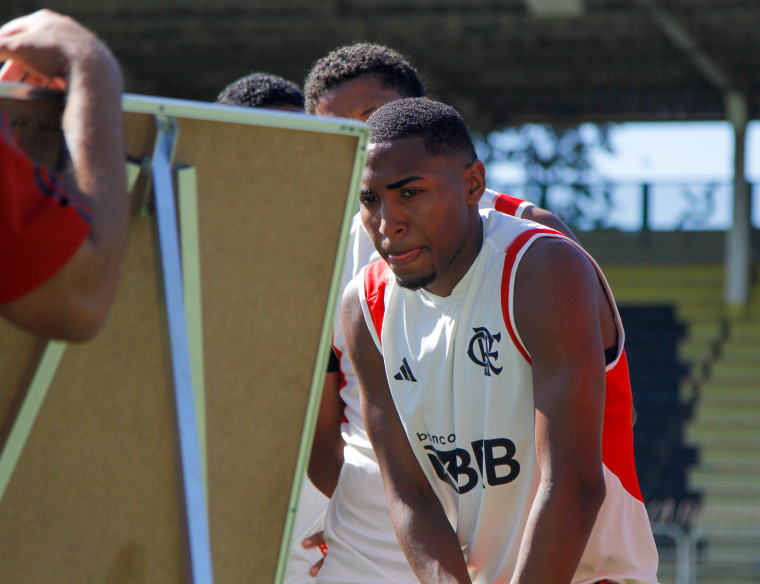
362	545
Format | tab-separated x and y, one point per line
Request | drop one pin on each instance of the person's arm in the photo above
547	218
565	322
424	532
327	448
75	301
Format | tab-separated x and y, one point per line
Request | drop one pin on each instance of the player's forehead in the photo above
392	160
357	97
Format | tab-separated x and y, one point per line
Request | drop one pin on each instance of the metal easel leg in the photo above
198	540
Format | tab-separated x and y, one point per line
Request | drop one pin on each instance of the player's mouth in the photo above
402	258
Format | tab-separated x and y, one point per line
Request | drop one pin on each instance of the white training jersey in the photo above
361	252
461	381
363	548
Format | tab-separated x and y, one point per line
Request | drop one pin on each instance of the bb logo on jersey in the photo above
493	459
481	350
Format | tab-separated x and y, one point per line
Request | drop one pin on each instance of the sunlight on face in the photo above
421	212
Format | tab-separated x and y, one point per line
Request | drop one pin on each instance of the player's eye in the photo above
367	200
367	114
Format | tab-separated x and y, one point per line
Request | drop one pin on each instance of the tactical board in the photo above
229	283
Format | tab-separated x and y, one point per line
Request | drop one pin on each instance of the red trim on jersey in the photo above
507	204
617	432
375	281
40	228
506	277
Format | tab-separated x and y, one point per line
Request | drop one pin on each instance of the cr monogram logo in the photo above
481	350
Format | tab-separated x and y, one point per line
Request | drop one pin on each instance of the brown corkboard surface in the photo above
95	496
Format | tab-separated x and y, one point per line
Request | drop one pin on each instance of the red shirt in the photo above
41	226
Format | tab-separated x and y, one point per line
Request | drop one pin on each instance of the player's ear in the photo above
475	177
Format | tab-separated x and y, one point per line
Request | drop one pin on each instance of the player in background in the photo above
263	90
353	82
272	92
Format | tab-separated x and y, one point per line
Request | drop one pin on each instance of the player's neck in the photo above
462	260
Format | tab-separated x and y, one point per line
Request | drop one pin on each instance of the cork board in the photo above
95	495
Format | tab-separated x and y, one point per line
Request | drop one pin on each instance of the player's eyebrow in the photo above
368	111
402	182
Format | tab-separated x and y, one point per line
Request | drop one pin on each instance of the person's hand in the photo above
73	302
316	540
48	45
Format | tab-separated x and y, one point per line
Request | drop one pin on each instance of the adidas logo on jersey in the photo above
405	372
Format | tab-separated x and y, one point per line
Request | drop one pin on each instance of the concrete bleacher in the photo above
652	337
726	429
695	374
672	316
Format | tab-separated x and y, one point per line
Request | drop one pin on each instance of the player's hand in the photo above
316	540
48	45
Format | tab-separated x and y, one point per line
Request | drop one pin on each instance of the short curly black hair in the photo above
442	129
262	90
352	61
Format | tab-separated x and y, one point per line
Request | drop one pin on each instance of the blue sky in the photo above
670	154
678	150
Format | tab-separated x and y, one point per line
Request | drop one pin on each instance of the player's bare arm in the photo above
55	46
425	534
549	219
558	300
327	449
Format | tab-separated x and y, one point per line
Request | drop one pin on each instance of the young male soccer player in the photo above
263	90
494	383
353	82
62	236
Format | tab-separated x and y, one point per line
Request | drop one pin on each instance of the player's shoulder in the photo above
499	230
554	263
376	275
369	279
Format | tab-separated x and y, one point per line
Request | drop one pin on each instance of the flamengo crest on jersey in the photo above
470	419
481	350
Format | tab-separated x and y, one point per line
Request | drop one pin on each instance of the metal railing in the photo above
707	555
644	206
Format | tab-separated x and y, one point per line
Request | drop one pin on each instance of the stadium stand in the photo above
695	376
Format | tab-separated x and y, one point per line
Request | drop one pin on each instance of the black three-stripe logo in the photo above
405	372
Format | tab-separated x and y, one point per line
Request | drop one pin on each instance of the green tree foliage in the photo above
557	166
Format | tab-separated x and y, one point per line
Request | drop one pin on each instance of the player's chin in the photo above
414	281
